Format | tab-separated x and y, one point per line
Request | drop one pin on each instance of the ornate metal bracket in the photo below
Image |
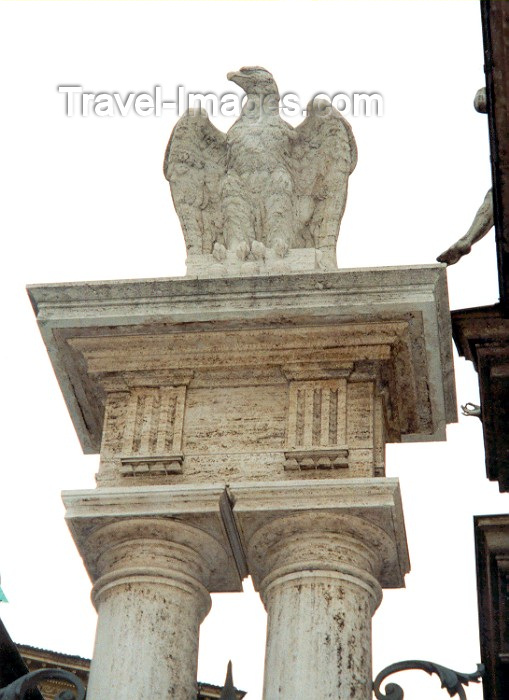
452	681
17	690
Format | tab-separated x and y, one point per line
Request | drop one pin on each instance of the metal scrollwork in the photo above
452	681
17	689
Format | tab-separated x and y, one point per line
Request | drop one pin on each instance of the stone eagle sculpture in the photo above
264	197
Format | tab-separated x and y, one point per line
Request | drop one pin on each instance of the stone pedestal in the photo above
247	418
205	380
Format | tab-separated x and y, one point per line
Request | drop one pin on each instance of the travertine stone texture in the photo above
151	601
188	381
193	512
320	616
319	554
242	424
374	501
264	198
152	573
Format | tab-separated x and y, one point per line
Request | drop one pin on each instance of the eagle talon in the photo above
219	252
281	248
258	250
241	250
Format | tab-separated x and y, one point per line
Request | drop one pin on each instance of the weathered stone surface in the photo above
320	549
196	508
492	558
151	600
185	381
264	198
484	218
322	618
374	501
284	388
482	336
153	555
481	225
319	554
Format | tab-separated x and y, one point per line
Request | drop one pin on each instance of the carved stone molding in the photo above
268	366
331	422
155	465
482	336
326	506
331	458
492	558
188	516
152	440
317	414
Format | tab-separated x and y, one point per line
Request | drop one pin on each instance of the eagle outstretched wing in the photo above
324	156
195	166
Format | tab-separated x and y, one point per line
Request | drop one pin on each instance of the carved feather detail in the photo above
263	185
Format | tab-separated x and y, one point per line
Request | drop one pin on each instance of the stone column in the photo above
320	594
151	599
319	565
153	555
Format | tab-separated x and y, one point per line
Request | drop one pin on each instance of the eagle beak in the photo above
236	77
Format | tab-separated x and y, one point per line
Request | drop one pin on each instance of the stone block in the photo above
221	380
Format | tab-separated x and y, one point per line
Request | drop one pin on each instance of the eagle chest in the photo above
256	149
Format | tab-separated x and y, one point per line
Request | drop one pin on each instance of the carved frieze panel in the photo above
317	425
337	421
152	440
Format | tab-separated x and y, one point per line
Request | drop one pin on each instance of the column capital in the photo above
306	522
145	526
151	550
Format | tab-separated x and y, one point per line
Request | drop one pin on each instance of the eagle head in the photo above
254	80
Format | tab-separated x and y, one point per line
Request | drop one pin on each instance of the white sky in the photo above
86	199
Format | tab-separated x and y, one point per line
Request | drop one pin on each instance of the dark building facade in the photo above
482	336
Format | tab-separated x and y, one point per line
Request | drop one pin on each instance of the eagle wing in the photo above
325	153
195	165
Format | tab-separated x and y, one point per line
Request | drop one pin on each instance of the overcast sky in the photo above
84	198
